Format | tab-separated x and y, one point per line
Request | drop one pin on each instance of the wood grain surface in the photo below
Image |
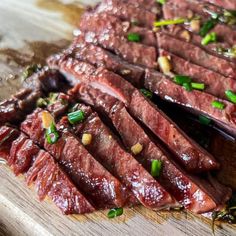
29	31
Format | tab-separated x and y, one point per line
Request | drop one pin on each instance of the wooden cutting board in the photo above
29	32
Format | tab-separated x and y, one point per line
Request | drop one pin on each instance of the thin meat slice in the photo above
191	155
216	84
103	23
96	182
183	187
195	101
52	181
189	9
196	55
227	4
123	165
127	11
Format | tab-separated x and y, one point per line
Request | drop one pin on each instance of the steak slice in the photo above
52	181
104	24
123	165
191	155
22	153
14	109
127	11
216	84
189	8
227	4
93	179
181	185
196	55
195	101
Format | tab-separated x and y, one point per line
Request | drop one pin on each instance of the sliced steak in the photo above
127	11
196	55
123	165
189	8
97	183
216	84
14	109
181	185
227	4
195	101
191	155
52	181
212	48
103	23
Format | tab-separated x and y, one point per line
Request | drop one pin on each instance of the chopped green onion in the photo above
51	134
76	117
199	86
181	79
162	2
169	22
227	52
115	212
30	70
146	93
156	168
204	120
231	95
207	26
41	102
134	37
52	97
187	86
209	38
218	105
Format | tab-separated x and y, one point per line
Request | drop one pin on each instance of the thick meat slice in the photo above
193	157
127	11
212	48
196	55
100	57
22	154
196	101
102	24
216	84
101	187
189	8
122	164
227	4
7	136
52	181
183	187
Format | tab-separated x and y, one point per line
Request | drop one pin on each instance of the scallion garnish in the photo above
76	117
156	168
209	38
187	86
204	120
115	212
169	22
146	93
134	37
217	104
181	79
41	102
198	86
227	52
231	95
207	26
30	70
162	2
52	134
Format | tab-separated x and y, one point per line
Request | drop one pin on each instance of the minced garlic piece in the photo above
137	148
185	35
195	25
47	119
86	139
164	64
